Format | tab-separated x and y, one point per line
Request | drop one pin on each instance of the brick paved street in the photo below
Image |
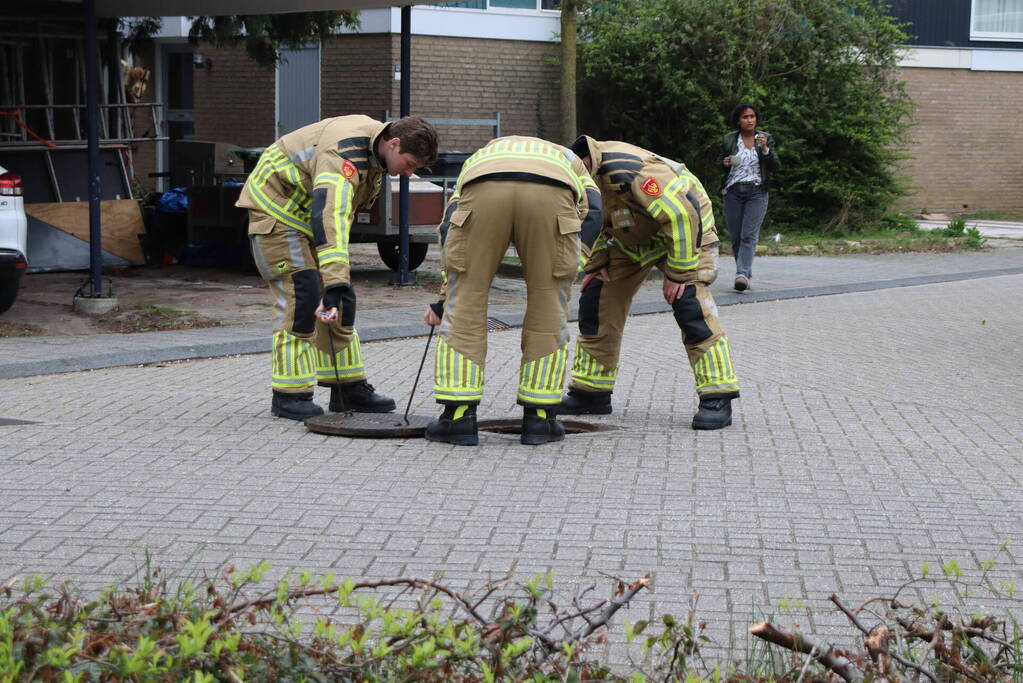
876	431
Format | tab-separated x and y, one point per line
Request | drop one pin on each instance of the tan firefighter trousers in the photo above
604	307
301	350
541	220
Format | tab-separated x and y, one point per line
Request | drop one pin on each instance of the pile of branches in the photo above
228	628
223	629
916	641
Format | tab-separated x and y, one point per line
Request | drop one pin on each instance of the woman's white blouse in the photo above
748	170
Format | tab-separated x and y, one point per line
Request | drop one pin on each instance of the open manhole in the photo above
369	425
571	426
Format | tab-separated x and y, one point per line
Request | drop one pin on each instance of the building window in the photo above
514	4
996	20
472	4
517	4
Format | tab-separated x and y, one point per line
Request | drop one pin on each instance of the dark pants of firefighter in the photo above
604	307
301	352
542	222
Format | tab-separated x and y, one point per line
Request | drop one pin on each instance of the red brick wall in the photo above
356	75
965	145
235	101
451	77
469	78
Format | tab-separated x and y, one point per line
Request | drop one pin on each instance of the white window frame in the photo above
992	35
537	7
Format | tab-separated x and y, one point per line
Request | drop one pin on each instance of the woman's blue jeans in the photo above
745	208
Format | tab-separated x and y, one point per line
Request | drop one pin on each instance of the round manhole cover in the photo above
368	425
571	426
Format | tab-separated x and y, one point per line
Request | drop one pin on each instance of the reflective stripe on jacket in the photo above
654	209
314	179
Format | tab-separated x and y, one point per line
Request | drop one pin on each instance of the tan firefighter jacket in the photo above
654	209
529	159
313	180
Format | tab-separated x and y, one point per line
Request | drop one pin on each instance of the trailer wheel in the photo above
390	253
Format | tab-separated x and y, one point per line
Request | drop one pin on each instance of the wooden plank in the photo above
121	224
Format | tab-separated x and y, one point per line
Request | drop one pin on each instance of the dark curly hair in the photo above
733	118
418	137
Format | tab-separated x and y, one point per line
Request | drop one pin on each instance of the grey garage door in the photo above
298	89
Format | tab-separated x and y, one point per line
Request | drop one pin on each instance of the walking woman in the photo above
749	157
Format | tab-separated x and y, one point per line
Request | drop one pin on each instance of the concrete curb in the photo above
252	342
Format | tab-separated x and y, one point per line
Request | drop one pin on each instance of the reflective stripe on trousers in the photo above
456	378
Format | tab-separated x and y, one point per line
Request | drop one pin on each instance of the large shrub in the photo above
665	74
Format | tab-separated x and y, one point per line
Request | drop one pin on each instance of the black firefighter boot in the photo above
539	426
579	402
715	412
457	425
294	406
358	397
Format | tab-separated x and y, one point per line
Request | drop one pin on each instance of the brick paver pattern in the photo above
875	432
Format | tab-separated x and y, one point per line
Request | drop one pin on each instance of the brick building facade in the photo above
235	101
964	72
965	152
451	77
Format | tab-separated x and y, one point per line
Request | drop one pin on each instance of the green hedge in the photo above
665	74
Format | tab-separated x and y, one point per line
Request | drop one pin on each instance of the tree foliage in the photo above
665	74
262	34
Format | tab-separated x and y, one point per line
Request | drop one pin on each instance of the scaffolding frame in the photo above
117	129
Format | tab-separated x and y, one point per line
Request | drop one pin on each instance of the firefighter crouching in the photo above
656	213
537	195
301	198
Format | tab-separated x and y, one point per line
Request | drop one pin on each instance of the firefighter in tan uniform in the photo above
301	198
656	213
539	196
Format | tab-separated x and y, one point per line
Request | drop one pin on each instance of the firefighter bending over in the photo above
537	195
301	198
656	214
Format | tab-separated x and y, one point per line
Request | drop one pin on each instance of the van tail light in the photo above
10	185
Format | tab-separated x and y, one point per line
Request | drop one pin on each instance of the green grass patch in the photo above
1016	216
144	316
880	241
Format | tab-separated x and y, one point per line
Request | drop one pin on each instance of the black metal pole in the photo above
406	96
92	133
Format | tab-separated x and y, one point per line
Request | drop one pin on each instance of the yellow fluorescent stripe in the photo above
555	158
342	200
325	178
681	240
277	212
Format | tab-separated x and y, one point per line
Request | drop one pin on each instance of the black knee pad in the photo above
307	298
589	307
689	316
348	306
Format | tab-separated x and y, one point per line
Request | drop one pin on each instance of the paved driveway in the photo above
876	431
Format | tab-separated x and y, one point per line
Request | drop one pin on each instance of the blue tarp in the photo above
173	201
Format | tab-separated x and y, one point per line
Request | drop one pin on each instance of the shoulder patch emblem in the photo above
651	187
348	169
